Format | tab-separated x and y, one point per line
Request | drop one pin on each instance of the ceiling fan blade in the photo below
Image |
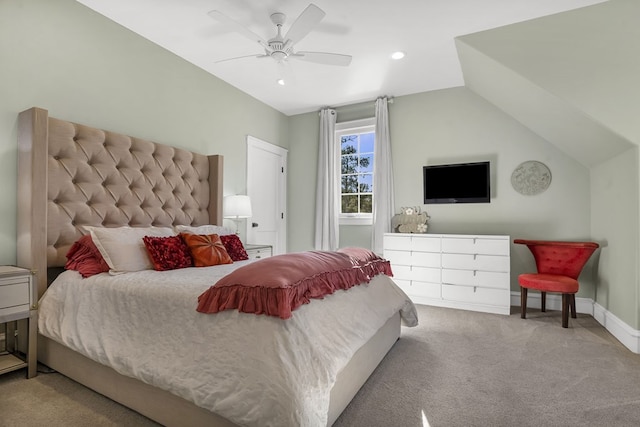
309	18
241	57
239	28
323	58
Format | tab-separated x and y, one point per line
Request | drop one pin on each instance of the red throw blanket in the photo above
278	285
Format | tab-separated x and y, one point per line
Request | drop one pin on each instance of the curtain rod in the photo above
357	106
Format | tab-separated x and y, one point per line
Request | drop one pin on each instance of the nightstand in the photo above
258	251
18	300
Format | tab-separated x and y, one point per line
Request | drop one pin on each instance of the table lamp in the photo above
236	207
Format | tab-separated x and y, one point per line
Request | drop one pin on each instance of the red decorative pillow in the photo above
85	258
168	253
234	247
206	249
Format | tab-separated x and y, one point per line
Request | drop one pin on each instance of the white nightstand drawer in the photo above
258	251
17	301
14	294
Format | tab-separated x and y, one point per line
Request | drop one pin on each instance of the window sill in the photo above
355	220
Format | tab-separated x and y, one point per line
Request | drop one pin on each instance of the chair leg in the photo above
523	302
543	301
565	310
572	302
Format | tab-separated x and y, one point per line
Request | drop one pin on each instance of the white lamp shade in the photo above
237	206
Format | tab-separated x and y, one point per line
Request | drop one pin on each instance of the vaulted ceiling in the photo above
368	30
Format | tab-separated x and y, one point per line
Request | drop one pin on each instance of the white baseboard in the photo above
624	333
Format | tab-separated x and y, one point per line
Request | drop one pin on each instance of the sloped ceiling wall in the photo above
571	77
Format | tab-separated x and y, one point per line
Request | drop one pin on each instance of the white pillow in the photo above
204	229
122	247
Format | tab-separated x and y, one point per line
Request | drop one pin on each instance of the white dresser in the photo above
469	272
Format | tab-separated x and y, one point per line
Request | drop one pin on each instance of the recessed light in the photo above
281	82
397	55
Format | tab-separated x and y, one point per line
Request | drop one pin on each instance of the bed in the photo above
72	176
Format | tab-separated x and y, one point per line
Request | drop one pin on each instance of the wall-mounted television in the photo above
457	183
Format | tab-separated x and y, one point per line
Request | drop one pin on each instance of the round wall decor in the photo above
531	178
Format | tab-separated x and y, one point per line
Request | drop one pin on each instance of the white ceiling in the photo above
369	30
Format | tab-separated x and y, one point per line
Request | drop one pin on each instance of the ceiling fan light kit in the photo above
280	47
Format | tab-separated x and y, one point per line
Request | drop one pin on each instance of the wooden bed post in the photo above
215	189
32	194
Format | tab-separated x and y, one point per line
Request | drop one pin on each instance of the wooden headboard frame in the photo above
71	175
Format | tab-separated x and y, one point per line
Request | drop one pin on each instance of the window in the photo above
356	141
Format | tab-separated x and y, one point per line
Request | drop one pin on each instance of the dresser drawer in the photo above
425	244
475	262
425	259
422	259
476	295
405	242
424	289
491	279
402	272
396	257
399	242
425	274
475	245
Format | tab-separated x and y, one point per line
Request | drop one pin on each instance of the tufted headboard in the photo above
70	176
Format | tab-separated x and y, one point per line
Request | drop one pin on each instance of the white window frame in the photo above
346	128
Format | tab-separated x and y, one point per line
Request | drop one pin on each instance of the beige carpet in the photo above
457	368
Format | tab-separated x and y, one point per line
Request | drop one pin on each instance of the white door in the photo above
267	189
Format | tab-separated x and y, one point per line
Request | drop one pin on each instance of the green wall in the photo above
455	125
82	67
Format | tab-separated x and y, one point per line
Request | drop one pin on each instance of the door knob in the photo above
254	224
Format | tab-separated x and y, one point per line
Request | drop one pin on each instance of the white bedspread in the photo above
253	370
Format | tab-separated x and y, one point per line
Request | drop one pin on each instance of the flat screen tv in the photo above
457	183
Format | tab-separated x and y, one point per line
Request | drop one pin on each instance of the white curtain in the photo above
383	199
327	195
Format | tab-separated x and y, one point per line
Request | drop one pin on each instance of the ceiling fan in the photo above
281	48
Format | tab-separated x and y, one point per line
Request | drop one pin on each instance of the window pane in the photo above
366	163
366	183
366	203
349	144
350	204
366	142
349	183
356	169
349	164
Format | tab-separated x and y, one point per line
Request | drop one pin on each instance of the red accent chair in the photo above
559	264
